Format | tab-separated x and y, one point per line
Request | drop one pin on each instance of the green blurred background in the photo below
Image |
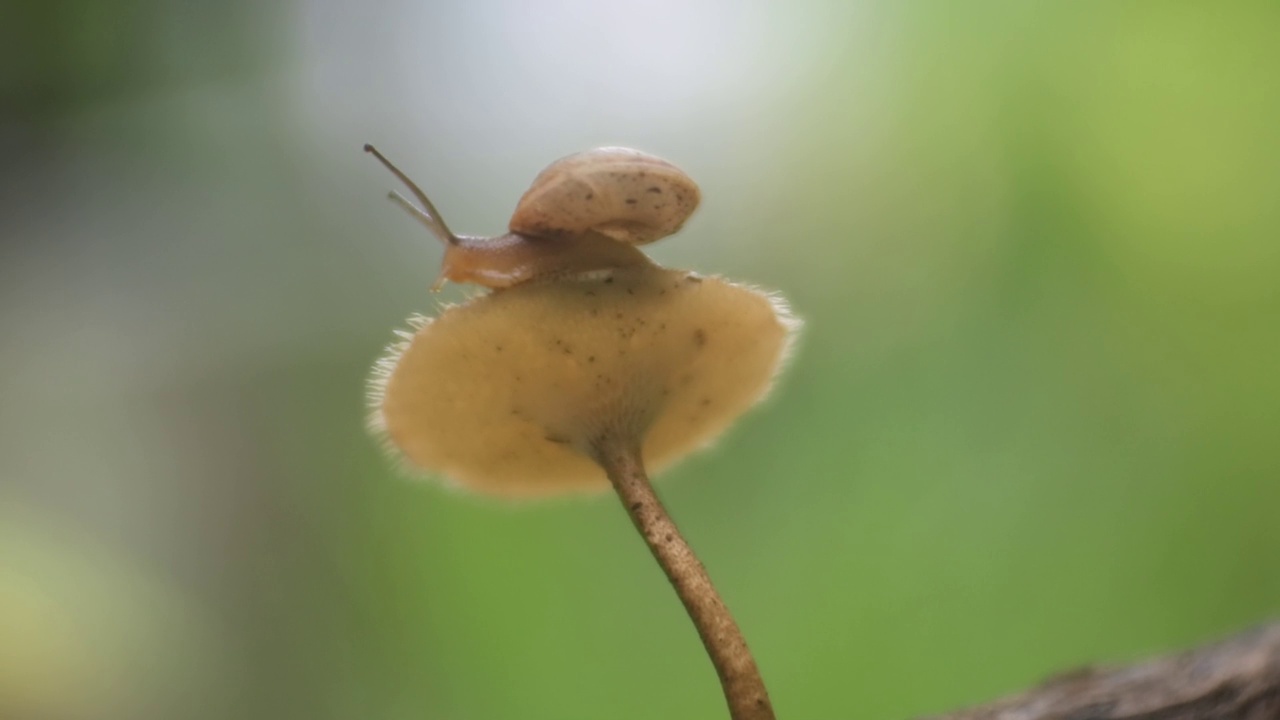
1034	420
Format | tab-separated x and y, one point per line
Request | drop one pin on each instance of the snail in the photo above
587	365
583	213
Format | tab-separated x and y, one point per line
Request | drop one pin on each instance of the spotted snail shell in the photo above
625	194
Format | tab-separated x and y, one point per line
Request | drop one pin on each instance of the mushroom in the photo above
585	379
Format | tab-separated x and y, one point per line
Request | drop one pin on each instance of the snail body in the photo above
583	213
510	259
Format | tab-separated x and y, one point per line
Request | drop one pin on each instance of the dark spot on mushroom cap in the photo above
590	196
632	201
655	189
700	337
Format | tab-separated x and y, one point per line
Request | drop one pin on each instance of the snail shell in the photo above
624	194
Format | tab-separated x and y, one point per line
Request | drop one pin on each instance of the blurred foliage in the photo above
1032	422
63	57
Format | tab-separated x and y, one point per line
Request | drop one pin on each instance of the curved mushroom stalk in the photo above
744	689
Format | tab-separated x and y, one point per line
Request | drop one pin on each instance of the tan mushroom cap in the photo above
505	394
630	196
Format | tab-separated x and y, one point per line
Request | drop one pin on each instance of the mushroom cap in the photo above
506	393
631	196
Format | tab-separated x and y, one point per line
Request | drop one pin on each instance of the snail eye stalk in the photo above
427	214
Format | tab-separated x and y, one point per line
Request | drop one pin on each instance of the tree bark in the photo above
1235	679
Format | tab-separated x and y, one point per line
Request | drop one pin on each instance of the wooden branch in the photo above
1236	679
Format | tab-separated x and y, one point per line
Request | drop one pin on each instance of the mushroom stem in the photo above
744	689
